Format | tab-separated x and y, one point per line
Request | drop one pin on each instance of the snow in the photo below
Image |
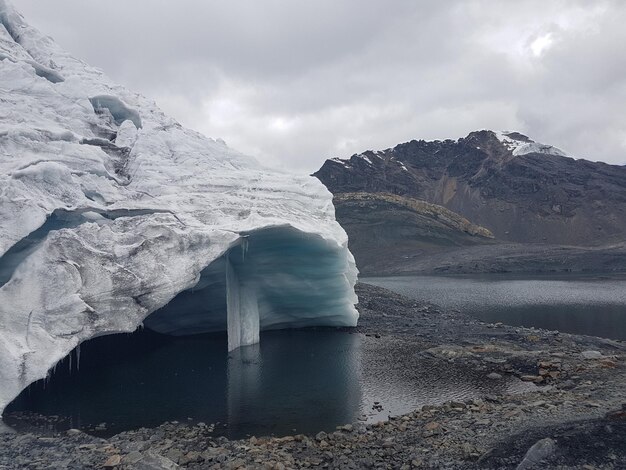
523	147
113	215
341	161
367	157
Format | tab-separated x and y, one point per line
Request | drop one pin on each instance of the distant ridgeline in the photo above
489	188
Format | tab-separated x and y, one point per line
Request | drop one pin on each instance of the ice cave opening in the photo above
274	278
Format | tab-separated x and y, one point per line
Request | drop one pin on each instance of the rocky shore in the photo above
572	416
518	258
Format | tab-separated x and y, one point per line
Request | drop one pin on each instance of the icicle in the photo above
77	358
244	247
70	363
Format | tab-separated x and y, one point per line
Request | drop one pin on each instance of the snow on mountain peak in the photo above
519	144
110	210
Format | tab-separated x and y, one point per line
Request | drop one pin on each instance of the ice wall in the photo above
110	211
275	278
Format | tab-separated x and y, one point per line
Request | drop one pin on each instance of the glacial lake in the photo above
301	381
589	305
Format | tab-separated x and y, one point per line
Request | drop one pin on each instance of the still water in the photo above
295	381
572	304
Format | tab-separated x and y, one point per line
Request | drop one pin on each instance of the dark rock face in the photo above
535	196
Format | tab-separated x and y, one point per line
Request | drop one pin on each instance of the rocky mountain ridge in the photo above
521	191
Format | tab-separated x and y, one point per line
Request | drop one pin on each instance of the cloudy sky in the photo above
295	82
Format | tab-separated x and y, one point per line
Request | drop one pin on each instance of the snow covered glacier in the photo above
111	211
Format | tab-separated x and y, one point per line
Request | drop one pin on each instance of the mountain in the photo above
520	191
110	211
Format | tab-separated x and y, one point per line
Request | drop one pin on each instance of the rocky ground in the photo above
573	417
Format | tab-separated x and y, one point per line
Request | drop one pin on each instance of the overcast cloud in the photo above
296	82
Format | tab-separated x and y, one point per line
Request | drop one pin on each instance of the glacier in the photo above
114	216
520	144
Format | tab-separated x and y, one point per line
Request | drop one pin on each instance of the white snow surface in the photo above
109	209
522	147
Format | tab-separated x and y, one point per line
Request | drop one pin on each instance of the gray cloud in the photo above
296	82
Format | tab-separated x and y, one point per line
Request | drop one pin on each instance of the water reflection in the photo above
304	382
301	379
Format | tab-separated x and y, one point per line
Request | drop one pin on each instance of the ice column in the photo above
242	310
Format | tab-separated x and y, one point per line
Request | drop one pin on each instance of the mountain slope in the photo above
520	190
386	228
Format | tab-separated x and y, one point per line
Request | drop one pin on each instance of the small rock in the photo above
432	425
540	450
431	429
388	442
112	461
591	355
132	458
191	457
532	378
174	455
494	376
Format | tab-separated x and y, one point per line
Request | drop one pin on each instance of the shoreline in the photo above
498	258
575	404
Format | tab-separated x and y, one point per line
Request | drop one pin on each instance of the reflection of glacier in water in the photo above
294	379
302	380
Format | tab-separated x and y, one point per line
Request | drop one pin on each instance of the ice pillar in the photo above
242	310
